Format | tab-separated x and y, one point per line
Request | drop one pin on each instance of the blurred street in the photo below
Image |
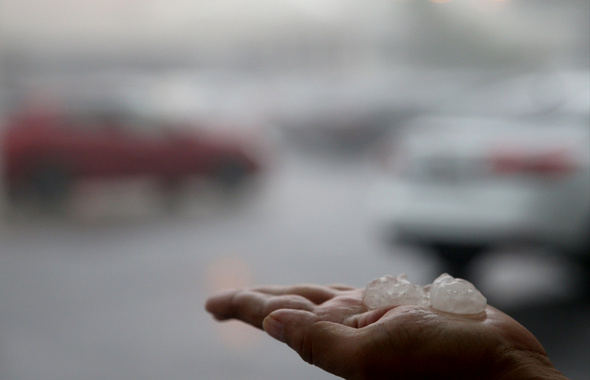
117	292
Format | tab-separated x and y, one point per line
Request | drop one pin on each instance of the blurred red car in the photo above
45	153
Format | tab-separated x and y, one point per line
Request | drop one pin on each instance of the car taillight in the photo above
556	162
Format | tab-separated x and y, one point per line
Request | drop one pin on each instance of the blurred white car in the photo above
461	184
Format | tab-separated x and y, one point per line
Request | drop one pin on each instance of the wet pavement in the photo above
115	288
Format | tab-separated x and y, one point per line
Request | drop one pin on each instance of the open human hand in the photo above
330	327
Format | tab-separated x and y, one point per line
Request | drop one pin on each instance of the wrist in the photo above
524	365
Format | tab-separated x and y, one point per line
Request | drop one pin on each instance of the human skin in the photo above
329	327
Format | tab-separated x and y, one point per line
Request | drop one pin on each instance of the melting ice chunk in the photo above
391	291
446	293
455	295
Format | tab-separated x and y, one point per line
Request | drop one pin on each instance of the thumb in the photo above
328	345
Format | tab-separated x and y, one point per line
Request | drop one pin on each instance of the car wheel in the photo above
15	193
457	257
170	191
50	185
230	174
583	261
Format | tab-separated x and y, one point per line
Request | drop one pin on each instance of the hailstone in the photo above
446	293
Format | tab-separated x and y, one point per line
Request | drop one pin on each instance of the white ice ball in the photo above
392	291
455	295
446	293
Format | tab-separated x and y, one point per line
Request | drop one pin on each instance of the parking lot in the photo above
116	287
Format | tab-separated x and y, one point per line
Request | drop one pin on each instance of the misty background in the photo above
115	288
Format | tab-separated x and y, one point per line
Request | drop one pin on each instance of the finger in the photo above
219	304
315	293
240	304
341	287
252	306
365	319
330	346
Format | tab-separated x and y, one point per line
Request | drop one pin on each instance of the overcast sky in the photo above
151	17
75	19
107	24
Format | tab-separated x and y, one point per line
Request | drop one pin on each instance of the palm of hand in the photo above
330	327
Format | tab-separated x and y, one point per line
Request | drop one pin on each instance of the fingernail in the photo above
274	328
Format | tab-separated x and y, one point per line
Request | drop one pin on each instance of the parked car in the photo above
462	184
45	153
